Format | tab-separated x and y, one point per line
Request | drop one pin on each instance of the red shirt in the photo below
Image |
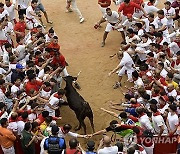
33	86
53	46
138	1
59	61
20	27
128	9
108	3
41	119
72	151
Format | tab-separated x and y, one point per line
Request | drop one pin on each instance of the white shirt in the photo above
11	11
157	122
28	14
14	89
2	71
143	47
173	121
150	8
132	39
13	126
145	123
2	35
162	22
164	73
168	13
138	82
20	127
172	93
3	14
128	24
162	110
45	93
32	117
126	61
108	150
61	134
53	101
114	18
174	47
23	3
147	23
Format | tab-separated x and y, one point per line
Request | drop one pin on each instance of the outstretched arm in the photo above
110	112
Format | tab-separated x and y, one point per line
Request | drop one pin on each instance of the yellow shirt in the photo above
43	126
174	84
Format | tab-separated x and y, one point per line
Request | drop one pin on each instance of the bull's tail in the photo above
90	116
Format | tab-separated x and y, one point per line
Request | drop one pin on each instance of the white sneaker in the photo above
82	20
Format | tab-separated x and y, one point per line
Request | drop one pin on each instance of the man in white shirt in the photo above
10	7
162	22
65	130
148	21
3	13
112	18
170	14
158	121
30	15
22	6
149	6
126	64
16	87
2	90
142	48
172	121
108	148
137	80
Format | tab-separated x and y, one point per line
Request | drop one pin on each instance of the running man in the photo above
72	3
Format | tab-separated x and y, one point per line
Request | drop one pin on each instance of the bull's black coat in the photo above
78	104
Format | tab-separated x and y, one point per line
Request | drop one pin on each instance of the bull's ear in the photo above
74	78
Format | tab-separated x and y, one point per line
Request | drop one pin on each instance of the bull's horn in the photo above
78	74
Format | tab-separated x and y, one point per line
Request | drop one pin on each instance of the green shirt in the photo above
25	139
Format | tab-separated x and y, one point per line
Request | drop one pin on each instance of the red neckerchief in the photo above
177	61
158	42
1	113
177	43
141	115
49	36
62	130
9	4
155	95
11	120
21	119
46	90
161	106
3	90
149	4
157	113
57	96
2	11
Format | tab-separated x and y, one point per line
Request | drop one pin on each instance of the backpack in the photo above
54	145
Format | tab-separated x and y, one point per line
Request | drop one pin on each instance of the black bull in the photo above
76	102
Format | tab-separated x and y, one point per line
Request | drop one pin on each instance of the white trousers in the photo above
9	150
75	8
